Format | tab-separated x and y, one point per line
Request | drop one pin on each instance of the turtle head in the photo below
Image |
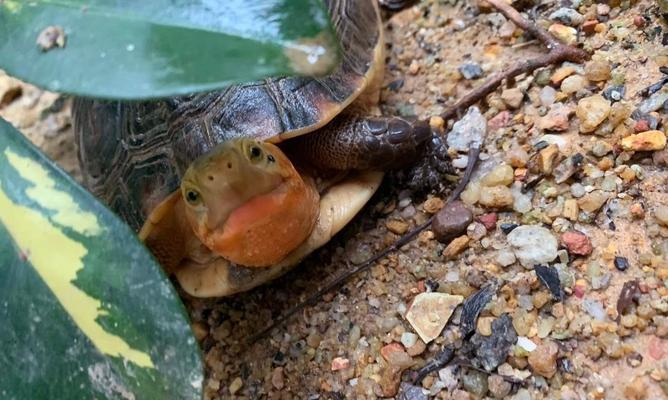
237	198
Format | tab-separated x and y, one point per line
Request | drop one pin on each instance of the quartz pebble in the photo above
645	141
557	119
397	362
547	96
563	33
592	111
468	130
339	363
597	71
533	244
573	84
543	360
505	257
501	175
236	385
526	343
592	201
408	339
496	197
277	378
512	97
498	387
429	313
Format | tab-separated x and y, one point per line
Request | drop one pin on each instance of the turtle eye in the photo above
193	197
254	153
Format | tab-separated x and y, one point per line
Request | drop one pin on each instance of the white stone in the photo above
533	244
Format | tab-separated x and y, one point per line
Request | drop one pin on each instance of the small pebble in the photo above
456	246
636	389
507	227
433	205
396	226
498	387
645	141
533	244
236	385
526	343
488	220
340	363
614	93
563	33
512	97
470	70
661	214
547	96
451	221
408	339
277	378
597	71
577	190
592	111
621	263
429	312
573	84
557	119
576	243
567	16
543	360
500	175
592	201
505	257
496	197
475	383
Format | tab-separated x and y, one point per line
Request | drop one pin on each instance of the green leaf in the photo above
130	49
85	312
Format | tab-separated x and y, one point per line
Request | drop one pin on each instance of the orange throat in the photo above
268	227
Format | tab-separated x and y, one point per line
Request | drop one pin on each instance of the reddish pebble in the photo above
489	220
641	126
579	291
639	21
657	348
500	120
422	287
389	349
576	243
340	363
589	27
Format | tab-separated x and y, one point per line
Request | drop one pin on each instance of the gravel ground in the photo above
587	147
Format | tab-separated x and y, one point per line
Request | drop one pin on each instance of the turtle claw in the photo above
429	172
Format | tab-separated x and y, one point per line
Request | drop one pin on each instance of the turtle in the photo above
232	188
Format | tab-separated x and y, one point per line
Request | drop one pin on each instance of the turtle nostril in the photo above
229	165
210	177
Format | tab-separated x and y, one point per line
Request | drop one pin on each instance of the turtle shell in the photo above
133	154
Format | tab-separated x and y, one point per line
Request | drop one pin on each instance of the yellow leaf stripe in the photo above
56	257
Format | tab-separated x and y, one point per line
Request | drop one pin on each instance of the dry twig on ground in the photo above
558	52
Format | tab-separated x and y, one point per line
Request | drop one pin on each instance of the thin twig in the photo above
558	52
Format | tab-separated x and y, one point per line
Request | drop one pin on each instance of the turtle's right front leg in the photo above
377	143
363	143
